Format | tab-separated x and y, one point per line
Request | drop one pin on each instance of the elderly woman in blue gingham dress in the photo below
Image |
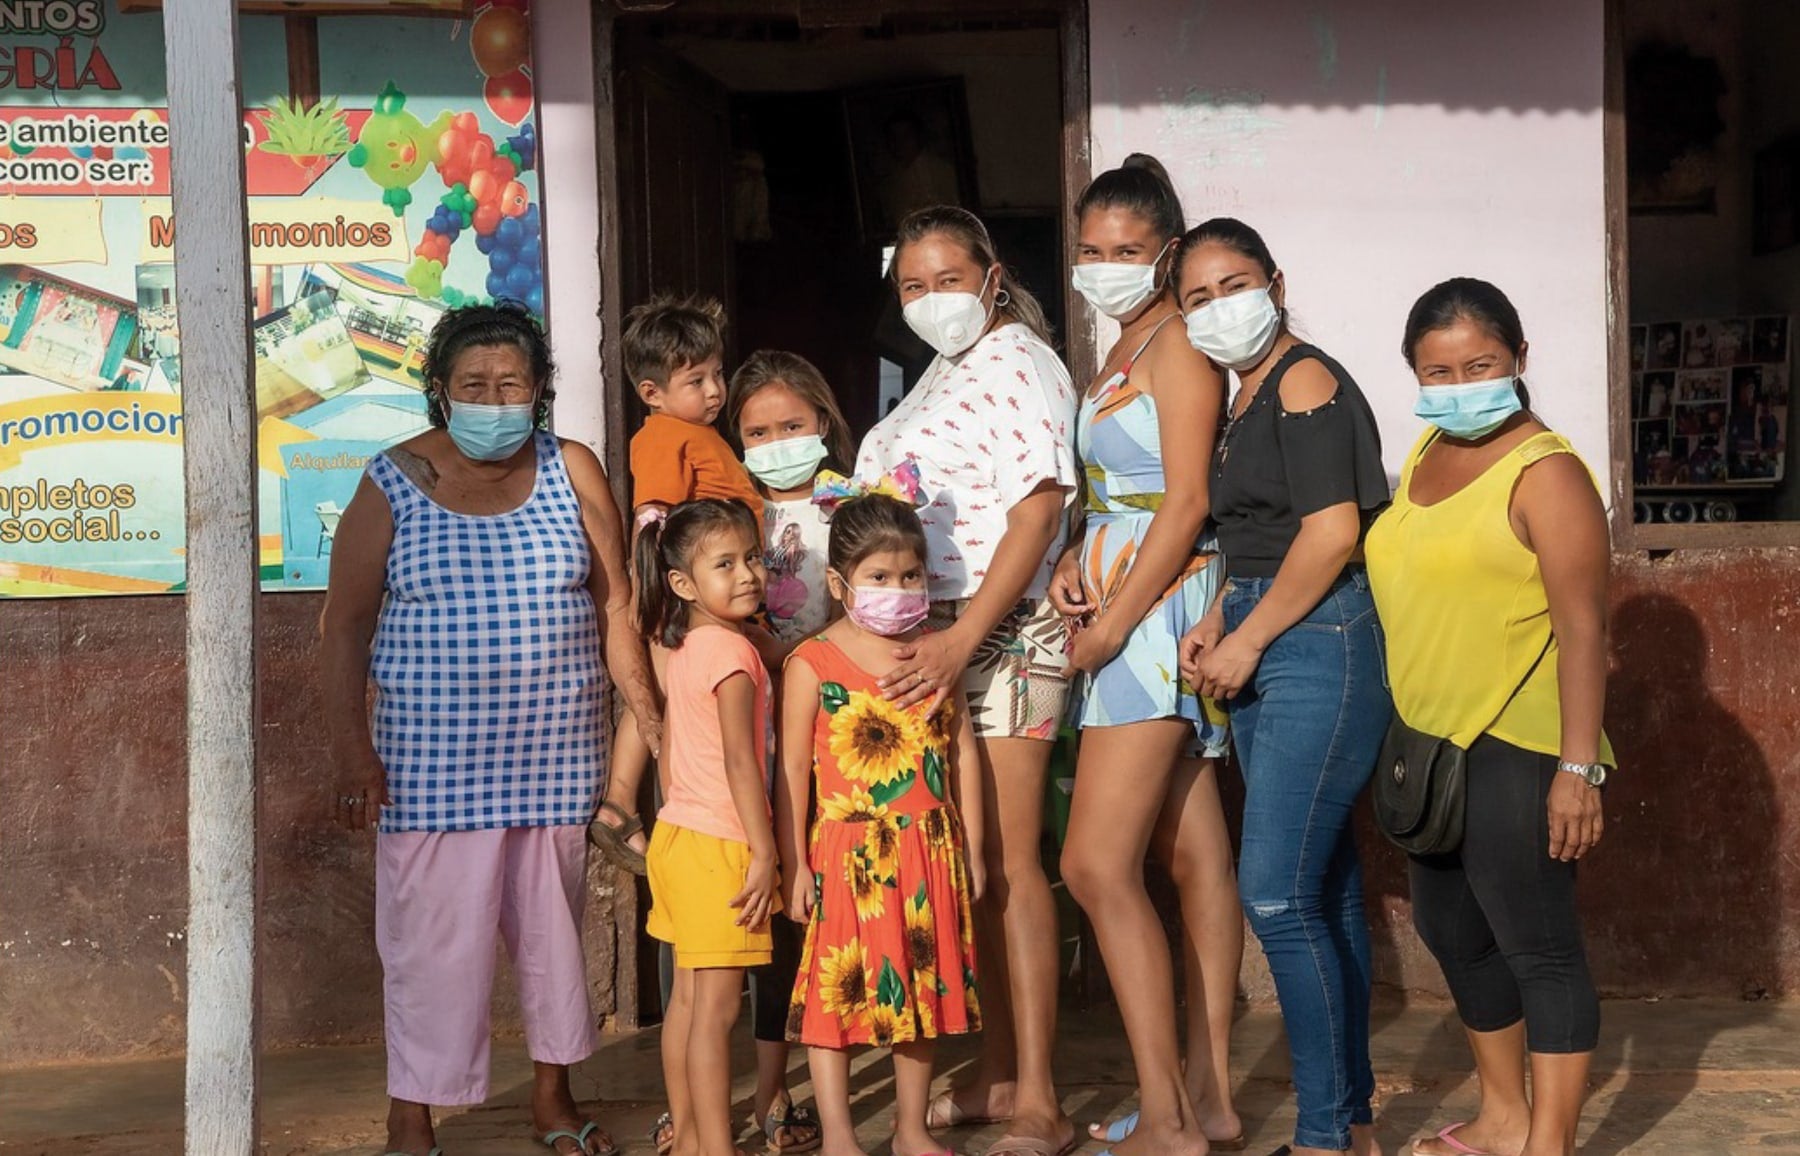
466	577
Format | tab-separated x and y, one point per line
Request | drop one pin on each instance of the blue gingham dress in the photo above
487	660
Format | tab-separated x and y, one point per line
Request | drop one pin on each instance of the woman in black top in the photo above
1295	651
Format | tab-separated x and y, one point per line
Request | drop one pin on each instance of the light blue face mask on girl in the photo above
489	433
787	464
1469	411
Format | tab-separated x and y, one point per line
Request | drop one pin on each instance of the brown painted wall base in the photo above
1695	891
93	819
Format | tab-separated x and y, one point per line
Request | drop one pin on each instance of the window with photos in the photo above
1707	162
1709	409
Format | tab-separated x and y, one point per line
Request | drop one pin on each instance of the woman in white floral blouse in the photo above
989	427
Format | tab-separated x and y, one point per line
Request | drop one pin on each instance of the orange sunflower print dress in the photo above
890	951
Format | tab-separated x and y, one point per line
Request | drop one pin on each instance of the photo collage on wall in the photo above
1709	402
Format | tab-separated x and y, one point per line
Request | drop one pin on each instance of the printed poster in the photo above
408	188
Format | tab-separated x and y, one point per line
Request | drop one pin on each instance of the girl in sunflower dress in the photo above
885	883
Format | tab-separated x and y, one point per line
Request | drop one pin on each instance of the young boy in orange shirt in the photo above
673	349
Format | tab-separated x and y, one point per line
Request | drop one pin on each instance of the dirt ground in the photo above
1671	1077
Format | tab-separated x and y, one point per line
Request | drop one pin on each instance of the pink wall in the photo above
1381	146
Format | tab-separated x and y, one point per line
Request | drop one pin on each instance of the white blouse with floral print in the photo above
985	429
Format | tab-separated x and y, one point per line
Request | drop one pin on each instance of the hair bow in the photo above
650	515
832	489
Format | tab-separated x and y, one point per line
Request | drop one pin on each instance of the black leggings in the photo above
772	984
1499	913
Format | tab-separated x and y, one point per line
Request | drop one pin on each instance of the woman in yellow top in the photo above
1489	573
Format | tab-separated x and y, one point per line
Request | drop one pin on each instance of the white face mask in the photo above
1236	331
948	322
1115	288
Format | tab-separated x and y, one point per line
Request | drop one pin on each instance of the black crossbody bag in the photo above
1421	784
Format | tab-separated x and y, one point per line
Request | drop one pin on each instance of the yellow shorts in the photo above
693	879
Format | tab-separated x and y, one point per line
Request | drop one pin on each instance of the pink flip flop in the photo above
1448	1136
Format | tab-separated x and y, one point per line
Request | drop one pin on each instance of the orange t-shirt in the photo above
675	461
699	793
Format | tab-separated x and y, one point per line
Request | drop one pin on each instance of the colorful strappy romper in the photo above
1119	440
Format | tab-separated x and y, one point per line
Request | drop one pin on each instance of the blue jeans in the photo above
1308	728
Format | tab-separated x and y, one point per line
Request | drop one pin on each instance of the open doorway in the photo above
761	150
764	158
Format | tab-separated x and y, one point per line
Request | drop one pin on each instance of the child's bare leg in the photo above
677	1026
912	1095
771	1080
625	778
830	1069
717	993
629	759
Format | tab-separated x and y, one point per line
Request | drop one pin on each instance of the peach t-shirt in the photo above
675	461
699	794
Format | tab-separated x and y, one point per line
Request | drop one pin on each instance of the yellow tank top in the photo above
1463	605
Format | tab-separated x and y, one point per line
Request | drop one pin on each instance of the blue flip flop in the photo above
1119	1129
581	1138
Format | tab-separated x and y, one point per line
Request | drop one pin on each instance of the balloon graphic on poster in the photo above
509	96
500	42
483	193
395	147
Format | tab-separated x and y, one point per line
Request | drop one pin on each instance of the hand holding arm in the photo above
1202	638
1066	593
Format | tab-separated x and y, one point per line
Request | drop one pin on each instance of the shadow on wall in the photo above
1371	54
1690	856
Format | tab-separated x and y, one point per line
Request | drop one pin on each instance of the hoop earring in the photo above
1002	299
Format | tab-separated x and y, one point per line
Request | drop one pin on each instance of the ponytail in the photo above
650	579
1141	187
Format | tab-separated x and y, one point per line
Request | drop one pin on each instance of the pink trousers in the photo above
442	901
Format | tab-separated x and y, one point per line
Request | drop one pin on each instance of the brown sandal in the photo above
802	1129
612	840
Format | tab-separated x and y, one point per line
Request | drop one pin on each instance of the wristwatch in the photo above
1593	774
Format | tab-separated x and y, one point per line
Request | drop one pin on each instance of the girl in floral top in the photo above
886	886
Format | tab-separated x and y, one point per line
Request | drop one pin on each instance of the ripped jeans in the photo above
1308	728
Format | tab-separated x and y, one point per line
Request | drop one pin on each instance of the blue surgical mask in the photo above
489	433
1469	411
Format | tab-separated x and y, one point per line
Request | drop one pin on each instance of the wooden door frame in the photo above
630	993
1072	28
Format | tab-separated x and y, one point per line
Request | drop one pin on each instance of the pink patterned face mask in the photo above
887	610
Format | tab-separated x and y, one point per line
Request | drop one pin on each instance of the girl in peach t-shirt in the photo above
712	861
